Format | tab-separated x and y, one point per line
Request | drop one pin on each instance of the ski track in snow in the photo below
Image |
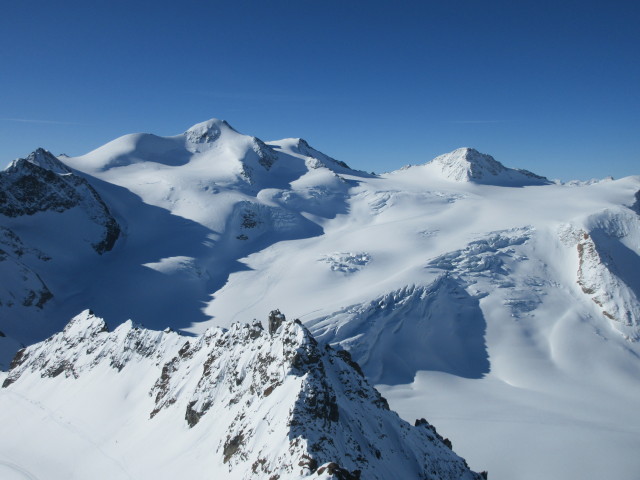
12	468
67	425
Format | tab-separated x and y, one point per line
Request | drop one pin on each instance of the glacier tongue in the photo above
272	405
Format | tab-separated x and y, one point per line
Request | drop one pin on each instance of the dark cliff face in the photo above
41	183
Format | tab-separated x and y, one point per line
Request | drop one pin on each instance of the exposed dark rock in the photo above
308	462
338	472
346	356
193	416
250	220
161	386
421	422
636	205
275	320
185	348
231	446
63	367
20	357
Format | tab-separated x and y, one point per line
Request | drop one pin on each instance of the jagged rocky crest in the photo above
41	183
293	407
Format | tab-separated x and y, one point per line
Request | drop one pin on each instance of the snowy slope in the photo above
492	283
292	408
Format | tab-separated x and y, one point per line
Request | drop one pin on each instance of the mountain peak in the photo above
208	131
316	159
42	183
469	165
293	407
44	159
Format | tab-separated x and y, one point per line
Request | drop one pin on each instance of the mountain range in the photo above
502	306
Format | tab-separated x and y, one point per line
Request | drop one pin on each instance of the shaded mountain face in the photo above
293	408
436	327
41	183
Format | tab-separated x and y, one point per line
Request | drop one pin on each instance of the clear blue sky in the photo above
553	87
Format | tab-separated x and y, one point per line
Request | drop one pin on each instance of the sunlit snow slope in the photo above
499	305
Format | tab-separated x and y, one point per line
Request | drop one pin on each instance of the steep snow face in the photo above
438	327
293	408
469	165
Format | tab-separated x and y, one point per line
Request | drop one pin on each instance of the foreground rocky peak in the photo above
469	165
293	408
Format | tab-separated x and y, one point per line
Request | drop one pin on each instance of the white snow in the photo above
458	284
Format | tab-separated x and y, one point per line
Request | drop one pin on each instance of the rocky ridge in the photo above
294	408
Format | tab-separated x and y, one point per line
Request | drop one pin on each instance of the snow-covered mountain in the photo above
469	165
501	306
240	403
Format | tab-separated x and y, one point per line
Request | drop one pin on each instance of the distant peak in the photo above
302	147
302	143
44	159
207	131
469	165
471	162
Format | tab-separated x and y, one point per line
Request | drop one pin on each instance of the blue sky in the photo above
553	87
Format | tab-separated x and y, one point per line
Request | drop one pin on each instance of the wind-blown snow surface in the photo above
497	304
